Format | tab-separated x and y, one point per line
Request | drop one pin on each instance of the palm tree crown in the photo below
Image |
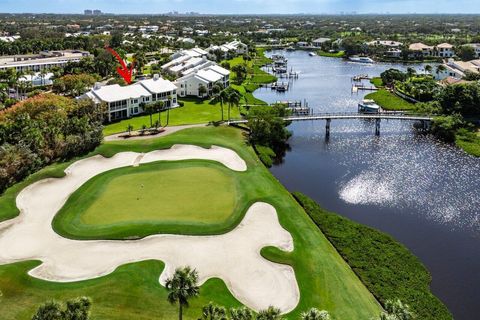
182	286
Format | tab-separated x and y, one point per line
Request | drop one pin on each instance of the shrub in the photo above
385	266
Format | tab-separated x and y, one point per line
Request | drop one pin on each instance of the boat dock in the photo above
297	107
358	87
361	77
280	86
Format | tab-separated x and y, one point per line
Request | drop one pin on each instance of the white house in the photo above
385	43
125	102
37	79
444	50
234	46
457	69
421	50
190	84
317	43
476	47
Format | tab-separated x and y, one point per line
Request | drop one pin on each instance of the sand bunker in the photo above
233	257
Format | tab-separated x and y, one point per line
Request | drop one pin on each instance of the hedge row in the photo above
387	268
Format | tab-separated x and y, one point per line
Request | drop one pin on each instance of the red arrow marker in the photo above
123	70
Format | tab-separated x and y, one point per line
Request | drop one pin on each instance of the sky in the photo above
242	6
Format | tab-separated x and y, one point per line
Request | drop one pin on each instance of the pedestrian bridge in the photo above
395	115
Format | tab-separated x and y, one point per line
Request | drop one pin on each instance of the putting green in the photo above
188	193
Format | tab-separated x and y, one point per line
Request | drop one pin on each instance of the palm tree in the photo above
220	95
182	286
396	310
315	314
428	68
233	98
129	129
159	107
271	313
202	90
213	312
150	109
411	72
241	314
440	69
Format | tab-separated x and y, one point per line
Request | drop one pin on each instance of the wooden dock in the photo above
358	87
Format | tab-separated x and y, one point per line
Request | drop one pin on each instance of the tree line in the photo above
45	129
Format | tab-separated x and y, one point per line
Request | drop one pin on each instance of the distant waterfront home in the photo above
420	50
41	61
125	102
317	43
443	50
385	43
476	47
190	84
457	69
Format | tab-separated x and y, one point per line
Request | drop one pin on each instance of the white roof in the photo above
115	92
209	75
220	70
157	85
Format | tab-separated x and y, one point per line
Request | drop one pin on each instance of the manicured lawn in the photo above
339	54
325	279
389	101
194	111
161	197
377	82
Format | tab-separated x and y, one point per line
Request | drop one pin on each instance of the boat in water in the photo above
312	54
368	106
361	59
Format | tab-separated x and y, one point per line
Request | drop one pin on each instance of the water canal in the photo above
424	193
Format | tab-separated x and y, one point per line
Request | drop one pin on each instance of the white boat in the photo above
361	59
312	54
368	106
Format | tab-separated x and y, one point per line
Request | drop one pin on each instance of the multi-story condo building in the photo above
42	61
125	102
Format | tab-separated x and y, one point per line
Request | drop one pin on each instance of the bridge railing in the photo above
359	114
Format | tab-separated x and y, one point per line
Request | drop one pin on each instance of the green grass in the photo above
389	101
131	292
377	82
387	268
469	142
325	280
339	54
160	197
194	111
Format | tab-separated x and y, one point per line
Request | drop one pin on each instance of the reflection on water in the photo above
425	193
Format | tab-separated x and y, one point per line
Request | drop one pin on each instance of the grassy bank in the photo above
469	142
194	111
377	82
339	54
389	101
325	279
385	266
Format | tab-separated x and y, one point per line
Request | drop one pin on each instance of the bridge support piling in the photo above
377	126
327	128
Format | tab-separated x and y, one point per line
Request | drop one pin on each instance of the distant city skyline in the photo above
241	6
